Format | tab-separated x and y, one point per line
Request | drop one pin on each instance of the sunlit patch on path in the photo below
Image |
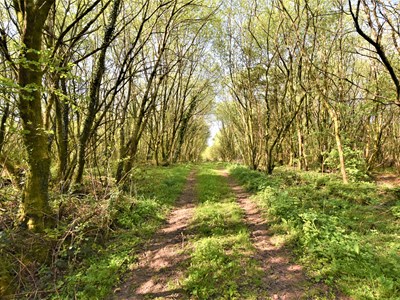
158	269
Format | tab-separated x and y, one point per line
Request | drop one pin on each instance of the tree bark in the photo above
35	208
94	91
339	146
4	118
62	119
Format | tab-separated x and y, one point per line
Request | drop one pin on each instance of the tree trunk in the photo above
339	148
4	118
62	119
94	90
300	147
35	209
182	129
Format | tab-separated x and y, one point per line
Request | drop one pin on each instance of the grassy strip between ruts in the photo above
221	266
346	235
135	218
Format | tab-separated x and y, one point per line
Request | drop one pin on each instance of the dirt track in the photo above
160	262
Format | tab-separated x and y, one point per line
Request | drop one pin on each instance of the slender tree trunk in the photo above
94	91
339	148
4	118
300	147
127	155
122	150
270	161
4	160
62	119
182	130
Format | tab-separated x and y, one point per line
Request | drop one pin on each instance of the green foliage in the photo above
346	235
356	166
217	218
102	273
213	187
396	210
221	266
214	272
139	213
252	181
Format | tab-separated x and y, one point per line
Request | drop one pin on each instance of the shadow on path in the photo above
160	261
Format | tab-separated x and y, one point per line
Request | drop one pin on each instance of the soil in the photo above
390	180
284	279
158	270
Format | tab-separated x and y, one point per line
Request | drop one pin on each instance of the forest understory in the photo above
191	232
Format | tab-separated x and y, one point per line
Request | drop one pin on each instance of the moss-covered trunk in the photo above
32	16
62	119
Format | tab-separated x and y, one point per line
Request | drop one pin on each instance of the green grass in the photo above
221	266
134	218
346	235
217	219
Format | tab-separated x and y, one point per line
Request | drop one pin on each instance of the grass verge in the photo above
221	266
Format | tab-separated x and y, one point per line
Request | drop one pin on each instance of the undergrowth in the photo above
94	241
221	266
347	236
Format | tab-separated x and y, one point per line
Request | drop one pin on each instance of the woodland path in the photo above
161	263
390	180
283	279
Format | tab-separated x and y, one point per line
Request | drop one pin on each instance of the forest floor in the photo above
390	180
163	263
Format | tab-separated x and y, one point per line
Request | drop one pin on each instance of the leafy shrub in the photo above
356	166
396	210
253	181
